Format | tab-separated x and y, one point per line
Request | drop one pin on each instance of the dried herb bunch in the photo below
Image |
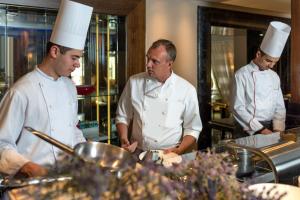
207	177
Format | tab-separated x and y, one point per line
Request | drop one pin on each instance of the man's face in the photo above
67	62
264	61
158	64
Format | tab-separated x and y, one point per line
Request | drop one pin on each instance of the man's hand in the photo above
266	131
124	142
174	150
186	143
131	148
123	135
31	169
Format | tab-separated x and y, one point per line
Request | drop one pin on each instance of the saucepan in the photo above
105	155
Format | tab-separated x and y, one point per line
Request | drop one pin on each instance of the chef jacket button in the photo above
50	106
163	113
155	95
166	99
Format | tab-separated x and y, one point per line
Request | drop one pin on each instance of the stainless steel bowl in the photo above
106	155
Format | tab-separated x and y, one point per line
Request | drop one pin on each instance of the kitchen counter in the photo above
283	149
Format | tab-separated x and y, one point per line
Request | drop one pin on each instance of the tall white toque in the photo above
71	25
275	39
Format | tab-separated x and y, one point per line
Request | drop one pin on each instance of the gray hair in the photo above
170	47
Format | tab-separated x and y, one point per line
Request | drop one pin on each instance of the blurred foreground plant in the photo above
208	177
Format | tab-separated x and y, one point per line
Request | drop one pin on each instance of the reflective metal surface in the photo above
17	183
105	155
279	152
259	153
245	163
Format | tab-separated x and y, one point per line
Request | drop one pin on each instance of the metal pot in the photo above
105	155
245	163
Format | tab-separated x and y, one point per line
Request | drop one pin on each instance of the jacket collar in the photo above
153	86
255	68
44	75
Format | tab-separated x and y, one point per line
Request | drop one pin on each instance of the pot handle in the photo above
51	140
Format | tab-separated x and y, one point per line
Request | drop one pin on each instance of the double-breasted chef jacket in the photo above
161	113
257	98
45	104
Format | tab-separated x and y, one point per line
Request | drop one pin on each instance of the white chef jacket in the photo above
161	113
45	104
258	97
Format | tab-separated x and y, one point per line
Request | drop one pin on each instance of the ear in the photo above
54	51
258	54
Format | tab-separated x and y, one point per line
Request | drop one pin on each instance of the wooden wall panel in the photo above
33	3
295	49
136	26
113	7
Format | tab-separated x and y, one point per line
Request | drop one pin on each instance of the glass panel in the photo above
96	79
3	84
23	37
27	34
228	53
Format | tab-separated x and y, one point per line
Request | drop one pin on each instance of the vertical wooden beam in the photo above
136	26
295	49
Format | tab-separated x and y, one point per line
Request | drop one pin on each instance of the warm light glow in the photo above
112	67
29	56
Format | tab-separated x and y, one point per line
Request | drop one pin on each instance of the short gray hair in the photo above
170	47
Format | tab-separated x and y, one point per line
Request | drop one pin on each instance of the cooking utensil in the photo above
245	163
147	157
105	155
12	183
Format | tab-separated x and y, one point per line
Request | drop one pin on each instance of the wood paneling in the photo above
113	7
136	27
295	49
33	3
116	7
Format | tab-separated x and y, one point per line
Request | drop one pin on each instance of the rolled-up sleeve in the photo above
192	124
280	111
124	110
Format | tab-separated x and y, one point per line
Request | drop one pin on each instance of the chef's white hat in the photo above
275	39
71	25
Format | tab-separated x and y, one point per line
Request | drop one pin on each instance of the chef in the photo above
45	99
162	106
258	104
